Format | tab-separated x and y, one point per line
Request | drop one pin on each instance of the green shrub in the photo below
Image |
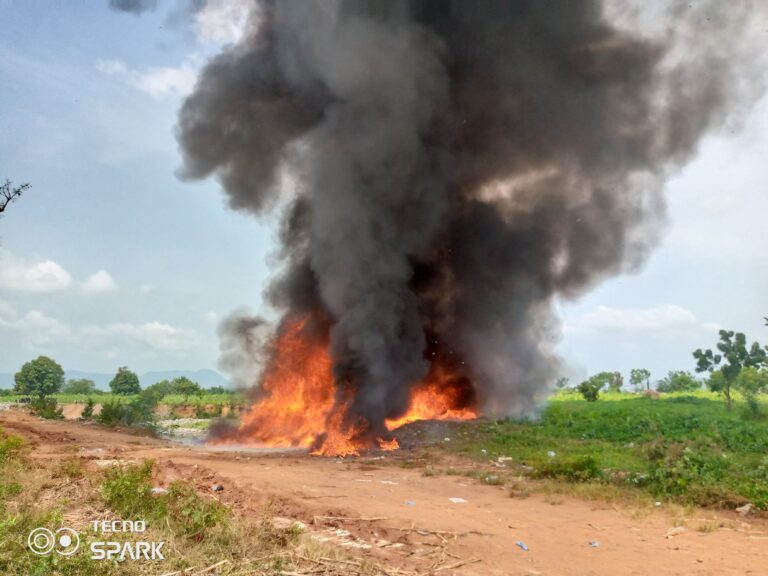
88	410
46	407
10	446
128	492
139	412
590	389
582	469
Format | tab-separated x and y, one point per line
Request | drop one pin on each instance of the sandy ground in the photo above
399	517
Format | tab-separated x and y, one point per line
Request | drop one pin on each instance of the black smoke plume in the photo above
460	165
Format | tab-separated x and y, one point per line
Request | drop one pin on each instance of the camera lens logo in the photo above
42	541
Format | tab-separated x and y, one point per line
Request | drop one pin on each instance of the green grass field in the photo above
685	448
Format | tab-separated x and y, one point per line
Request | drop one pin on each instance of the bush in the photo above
678	381
582	469
46	407
676	469
128	492
137	413
88	410
10	446
590	389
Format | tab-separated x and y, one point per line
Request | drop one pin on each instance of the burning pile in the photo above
303	406
446	170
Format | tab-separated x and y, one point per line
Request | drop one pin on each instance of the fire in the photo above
302	405
438	397
388	444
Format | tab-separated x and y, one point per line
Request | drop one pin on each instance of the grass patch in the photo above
685	448
197	529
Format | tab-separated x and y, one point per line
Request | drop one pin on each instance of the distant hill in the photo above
205	377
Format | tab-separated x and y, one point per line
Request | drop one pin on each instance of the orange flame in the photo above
301	404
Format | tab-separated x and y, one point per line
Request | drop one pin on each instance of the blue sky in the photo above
110	259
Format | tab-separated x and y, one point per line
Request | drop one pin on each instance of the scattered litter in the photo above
483	450
744	510
594	544
674	532
657	504
389	482
158	490
410	502
340	537
502	459
458	500
551	453
217	488
446	439
522	545
112	462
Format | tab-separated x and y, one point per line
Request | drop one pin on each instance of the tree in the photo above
590	389
160	389
9	193
39	377
80	386
615	381
678	381
638	376
222	390
125	382
736	356
561	383
185	387
752	382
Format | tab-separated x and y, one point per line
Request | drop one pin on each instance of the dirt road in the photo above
400	517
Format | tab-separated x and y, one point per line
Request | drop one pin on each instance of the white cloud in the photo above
20	275
162	82
146	289
223	21
99	282
156	336
33	328
158	82
212	317
664	318
111	67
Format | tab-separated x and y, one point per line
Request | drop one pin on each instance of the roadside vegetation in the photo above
41	385
198	530
685	447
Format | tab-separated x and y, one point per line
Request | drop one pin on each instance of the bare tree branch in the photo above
9	193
